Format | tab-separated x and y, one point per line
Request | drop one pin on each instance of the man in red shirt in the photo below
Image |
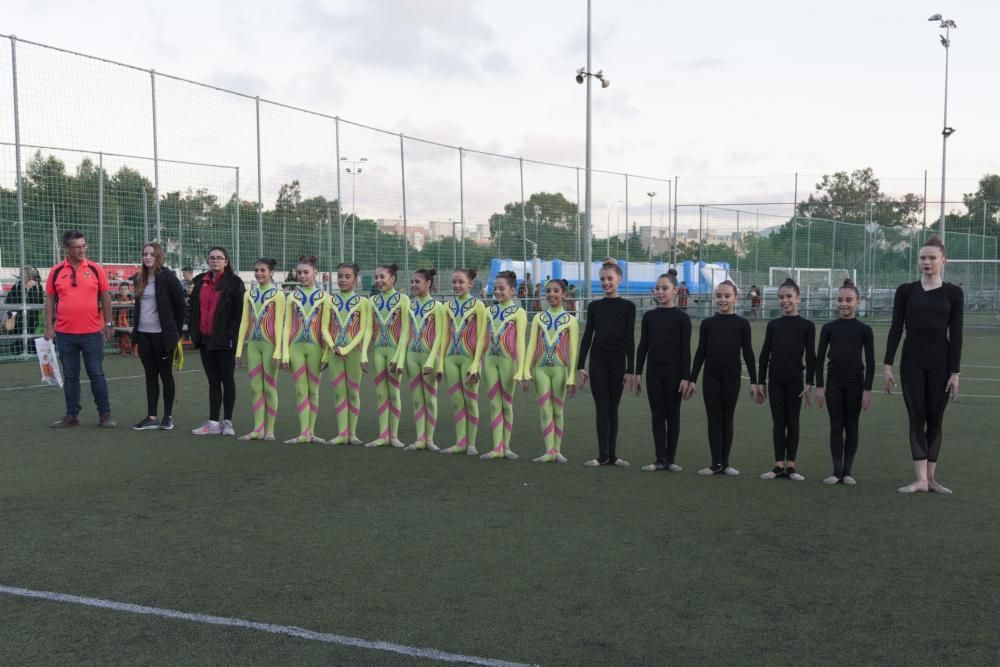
78	285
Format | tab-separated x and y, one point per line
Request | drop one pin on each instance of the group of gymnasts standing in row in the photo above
458	343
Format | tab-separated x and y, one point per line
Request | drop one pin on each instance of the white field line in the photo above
288	630
961	395
124	377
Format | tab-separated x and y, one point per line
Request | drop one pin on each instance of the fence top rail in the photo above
126	155
257	98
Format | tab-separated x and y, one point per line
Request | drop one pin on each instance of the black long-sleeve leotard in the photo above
665	337
610	331
721	338
844	340
933	321
786	341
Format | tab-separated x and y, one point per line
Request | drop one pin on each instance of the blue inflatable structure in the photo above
640	277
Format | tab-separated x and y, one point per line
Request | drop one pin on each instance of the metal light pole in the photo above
947	25
585	74
650	195
608	227
354	170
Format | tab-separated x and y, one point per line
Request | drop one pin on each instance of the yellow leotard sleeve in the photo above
326	314
532	344
521	325
279	323
436	357
244	324
286	344
482	331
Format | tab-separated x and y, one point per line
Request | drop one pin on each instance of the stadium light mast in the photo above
585	74
946	25
354	170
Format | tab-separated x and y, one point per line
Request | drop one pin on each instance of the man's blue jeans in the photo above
71	346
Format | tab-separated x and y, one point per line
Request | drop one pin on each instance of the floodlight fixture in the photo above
935	17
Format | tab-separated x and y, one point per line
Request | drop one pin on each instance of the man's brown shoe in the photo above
66	421
107	422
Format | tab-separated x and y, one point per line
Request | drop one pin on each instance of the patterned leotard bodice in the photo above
463	327
423	325
263	315
503	331
553	346
345	317
305	320
388	319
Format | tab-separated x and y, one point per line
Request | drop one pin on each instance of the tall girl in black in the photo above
665	336
788	339
848	388
931	311
158	318
610	339
721	339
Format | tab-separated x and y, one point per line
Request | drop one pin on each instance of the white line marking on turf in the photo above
124	377
289	630
975	366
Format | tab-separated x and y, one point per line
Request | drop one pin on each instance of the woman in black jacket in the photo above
216	308
158	317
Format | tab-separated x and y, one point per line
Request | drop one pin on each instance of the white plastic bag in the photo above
48	362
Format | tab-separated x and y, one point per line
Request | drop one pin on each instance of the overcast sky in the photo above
732	97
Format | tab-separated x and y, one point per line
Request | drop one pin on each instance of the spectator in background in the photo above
187	280
682	296
571	301
33	294
756	299
81	326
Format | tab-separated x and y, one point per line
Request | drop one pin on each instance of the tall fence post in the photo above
795	224
20	197
100	207
406	240
579	248
524	234
461	196
260	191
180	237
156	159
145	217
628	239
340	207
329	246
673	253
738	245
670	206
236	218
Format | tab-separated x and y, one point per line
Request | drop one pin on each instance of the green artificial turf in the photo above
550	564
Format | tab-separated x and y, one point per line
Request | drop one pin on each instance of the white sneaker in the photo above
208	428
849	481
732	472
621	462
831	480
227	427
673	467
796	477
706	472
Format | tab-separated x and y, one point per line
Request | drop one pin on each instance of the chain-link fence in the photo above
127	155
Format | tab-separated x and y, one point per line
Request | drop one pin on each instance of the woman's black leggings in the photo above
720	393
926	398
665	406
156	362
220	365
786	404
843	402
607	378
